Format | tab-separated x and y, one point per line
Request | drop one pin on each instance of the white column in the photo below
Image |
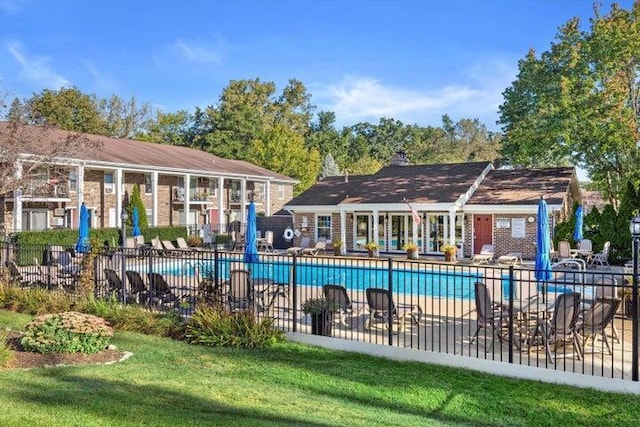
414	231
267	198
222	218
80	181
119	178
343	231
17	200
452	226
376	228
187	197
154	198
243	198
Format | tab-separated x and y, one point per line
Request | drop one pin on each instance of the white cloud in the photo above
36	68
101	82
358	98
197	52
12	6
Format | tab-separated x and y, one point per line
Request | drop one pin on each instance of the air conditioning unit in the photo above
109	189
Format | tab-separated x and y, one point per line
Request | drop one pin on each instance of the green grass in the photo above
172	383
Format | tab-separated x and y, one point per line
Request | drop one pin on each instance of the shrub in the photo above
68	332
215	327
35	300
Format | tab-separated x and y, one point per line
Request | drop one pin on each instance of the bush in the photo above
215	327
35	301
68	332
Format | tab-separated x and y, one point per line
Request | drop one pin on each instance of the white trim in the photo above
462	200
511	370
505	209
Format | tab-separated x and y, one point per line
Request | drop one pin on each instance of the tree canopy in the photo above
579	102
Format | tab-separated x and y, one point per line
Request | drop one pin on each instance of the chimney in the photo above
399	159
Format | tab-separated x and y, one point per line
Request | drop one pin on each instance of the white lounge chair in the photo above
602	258
296	250
485	256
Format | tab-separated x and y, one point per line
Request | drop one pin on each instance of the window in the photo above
73	181
109	185
323	227
213	187
148	185
281	191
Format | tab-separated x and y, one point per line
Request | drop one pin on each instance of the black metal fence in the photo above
581	321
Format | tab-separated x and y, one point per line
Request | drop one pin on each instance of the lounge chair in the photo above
492	316
595	321
320	246
561	328
485	256
25	279
346	307
114	283
602	258
138	291
512	258
381	306
160	292
296	250
182	244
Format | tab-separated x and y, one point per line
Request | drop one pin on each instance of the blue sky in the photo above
410	60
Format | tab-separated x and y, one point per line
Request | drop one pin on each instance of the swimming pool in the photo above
426	282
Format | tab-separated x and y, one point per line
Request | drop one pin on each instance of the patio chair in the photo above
492	316
485	256
239	292
560	329
237	241
346	307
320	246
604	288
296	250
382	307
266	243
567	258
602	258
138	291
595	321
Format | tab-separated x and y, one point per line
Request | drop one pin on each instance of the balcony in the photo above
45	190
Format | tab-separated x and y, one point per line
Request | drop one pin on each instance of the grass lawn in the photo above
172	383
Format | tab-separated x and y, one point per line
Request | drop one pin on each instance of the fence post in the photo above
390	301
294	284
511	292
216	280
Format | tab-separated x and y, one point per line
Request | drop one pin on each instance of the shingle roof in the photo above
442	183
523	186
147	154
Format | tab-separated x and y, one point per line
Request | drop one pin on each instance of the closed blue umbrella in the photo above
251	241
543	248
135	221
83	230
577	232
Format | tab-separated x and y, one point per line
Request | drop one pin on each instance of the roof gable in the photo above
523	186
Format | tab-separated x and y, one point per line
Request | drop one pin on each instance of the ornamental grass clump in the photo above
215	327
68	332
6	355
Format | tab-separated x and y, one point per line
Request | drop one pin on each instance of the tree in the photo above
43	143
136	201
579	103
248	111
125	119
68	109
282	150
329	167
168	128
326	139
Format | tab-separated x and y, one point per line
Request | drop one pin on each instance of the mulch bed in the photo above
28	359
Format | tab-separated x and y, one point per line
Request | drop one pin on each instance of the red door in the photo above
482	232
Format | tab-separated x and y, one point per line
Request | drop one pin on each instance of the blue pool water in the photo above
433	283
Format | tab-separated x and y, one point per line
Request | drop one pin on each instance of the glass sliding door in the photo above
362	232
398	232
437	225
